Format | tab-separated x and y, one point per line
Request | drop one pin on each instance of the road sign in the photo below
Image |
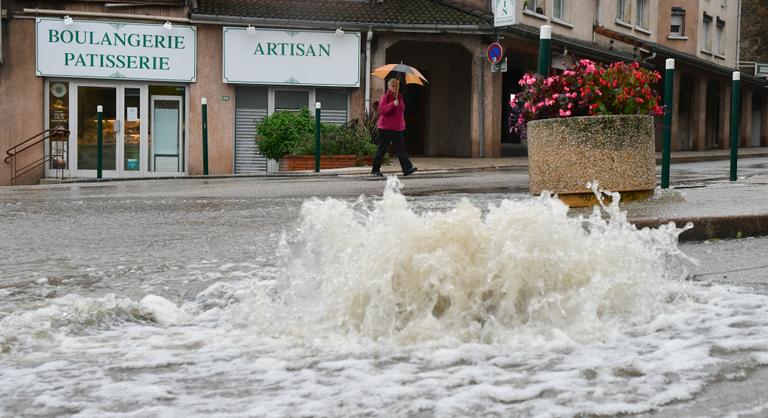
494	53
761	70
504	12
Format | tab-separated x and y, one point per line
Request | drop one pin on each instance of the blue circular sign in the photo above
495	52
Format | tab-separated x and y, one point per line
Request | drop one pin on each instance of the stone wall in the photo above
754	26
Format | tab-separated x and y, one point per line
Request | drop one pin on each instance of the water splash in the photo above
390	272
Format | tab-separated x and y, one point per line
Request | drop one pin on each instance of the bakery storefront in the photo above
139	73
283	70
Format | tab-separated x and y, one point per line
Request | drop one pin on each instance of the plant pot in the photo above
307	162
617	151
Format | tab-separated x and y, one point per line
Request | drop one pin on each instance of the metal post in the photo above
669	85
204	102
317	137
99	141
545	39
735	121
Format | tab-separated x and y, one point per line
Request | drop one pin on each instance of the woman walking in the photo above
391	129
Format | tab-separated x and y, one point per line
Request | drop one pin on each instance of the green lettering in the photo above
66	33
164	65
311	51
80	61
179	42
119	39
77	37
110	61
300	48
68	56
271	48
134	40
146	40
132	61
120	61
325	48
105	40
52	33
143	63
259	50
159	41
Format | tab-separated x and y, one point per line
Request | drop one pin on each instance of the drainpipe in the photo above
596	21
738	38
368	39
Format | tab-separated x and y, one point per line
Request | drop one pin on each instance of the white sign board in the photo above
504	12
115	50
761	70
280	57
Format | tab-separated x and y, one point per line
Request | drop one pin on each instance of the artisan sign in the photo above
279	57
504	12
91	49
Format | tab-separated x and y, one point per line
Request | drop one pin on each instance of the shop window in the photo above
558	9
167	134
291	100
535	6
641	16
623	11
251	97
677	26
334	105
706	28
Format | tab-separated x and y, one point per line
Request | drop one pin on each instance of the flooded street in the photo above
249	298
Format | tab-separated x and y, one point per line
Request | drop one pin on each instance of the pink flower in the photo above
564	113
658	110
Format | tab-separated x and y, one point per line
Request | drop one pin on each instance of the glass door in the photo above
88	98
132	144
166	150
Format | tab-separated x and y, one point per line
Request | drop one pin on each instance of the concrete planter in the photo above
307	162
618	151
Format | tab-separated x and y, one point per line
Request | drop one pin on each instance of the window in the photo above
641	17
706	28
558	9
719	41
623	11
535	6
334	102
677	25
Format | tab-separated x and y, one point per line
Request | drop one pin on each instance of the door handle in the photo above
117	125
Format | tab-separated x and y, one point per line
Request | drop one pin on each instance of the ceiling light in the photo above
168	25
251	30
339	33
68	20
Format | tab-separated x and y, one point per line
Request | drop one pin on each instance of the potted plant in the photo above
290	138
592	123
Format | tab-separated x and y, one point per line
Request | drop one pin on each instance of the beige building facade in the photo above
153	115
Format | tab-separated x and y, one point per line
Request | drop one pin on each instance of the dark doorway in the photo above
511	143
416	116
712	132
438	115
685	116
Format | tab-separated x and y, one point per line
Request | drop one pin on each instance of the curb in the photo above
714	227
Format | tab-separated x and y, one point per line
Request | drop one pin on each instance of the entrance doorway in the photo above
142	128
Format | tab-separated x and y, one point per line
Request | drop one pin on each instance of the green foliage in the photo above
291	133
282	132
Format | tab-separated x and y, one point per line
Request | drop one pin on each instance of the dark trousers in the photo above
397	140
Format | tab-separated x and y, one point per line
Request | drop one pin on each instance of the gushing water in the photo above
377	309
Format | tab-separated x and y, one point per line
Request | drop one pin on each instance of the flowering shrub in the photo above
588	89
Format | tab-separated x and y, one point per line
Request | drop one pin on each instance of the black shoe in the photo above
377	174
410	171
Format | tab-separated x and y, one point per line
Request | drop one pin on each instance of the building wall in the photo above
21	106
221	113
577	24
607	19
726	10
688	43
754	27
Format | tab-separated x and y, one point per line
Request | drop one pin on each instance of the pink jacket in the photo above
391	117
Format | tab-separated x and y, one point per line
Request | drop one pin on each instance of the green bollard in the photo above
99	141
317	137
669	82
545	39
735	121
204	102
